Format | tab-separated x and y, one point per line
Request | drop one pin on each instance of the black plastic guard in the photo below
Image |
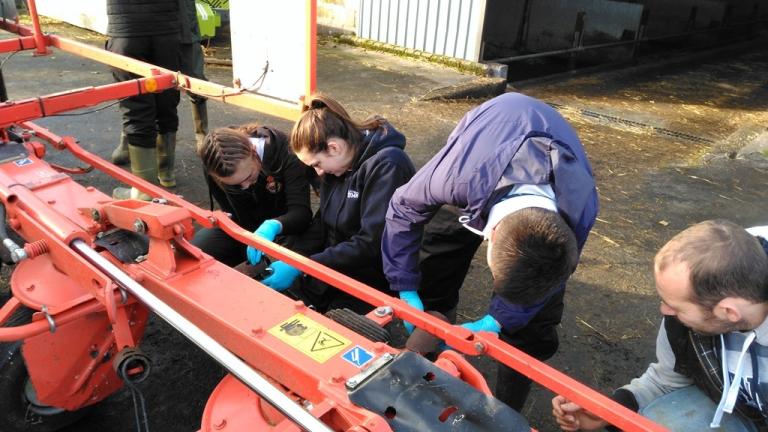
11	151
413	394
125	245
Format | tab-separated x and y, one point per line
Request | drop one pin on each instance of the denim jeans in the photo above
689	409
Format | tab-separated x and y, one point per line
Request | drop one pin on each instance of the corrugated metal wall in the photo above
447	27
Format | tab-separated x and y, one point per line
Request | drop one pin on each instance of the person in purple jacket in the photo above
513	172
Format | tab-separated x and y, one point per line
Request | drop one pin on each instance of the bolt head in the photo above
139	226
479	347
383	311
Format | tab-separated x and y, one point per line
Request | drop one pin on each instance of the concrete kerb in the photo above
491	77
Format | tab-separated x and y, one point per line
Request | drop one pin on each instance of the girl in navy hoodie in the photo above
360	166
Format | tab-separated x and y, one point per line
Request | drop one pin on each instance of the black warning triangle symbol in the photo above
325	341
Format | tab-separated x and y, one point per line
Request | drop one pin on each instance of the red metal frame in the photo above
46	206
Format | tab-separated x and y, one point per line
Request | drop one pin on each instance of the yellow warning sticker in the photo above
310	338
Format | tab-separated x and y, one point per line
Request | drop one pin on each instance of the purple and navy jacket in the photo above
511	139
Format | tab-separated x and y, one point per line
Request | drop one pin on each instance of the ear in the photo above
730	308
334	147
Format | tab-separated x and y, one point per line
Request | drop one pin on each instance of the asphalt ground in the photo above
670	144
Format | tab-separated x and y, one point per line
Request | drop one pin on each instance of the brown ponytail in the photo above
323	118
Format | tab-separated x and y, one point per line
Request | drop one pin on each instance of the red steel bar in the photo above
44	106
18	44
15	27
10	334
230	95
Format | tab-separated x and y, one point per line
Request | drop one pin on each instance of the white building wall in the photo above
452	28
338	15
90	14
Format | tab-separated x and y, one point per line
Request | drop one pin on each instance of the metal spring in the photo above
36	249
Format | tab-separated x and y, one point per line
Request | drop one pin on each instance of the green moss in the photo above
463	66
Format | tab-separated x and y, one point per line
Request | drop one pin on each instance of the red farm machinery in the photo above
89	270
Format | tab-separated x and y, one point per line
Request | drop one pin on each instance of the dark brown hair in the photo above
534	252
222	149
724	261
323	118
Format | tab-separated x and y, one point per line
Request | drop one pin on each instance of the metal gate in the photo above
452	28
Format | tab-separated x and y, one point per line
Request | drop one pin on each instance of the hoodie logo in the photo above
352	194
273	186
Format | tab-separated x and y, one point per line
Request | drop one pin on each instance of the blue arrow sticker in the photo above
22	162
357	356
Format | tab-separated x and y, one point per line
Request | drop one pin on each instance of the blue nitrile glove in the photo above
414	301
282	276
486	323
268	230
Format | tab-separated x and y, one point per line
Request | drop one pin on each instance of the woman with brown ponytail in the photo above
360	166
252	174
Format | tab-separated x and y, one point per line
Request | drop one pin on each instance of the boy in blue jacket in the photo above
513	172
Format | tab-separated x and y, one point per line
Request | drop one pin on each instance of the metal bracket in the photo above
377	364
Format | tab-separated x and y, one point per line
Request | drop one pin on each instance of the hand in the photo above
572	417
268	230
282	276
414	301
486	323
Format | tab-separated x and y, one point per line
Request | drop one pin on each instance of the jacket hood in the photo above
374	140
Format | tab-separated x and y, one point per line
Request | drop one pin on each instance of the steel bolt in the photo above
479	347
95	215
139	226
383	311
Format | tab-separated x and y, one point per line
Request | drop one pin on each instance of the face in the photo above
246	173
674	287
335	160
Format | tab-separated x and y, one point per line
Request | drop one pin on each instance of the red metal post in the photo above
41	43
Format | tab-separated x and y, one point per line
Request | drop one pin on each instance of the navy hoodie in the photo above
511	139
352	207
